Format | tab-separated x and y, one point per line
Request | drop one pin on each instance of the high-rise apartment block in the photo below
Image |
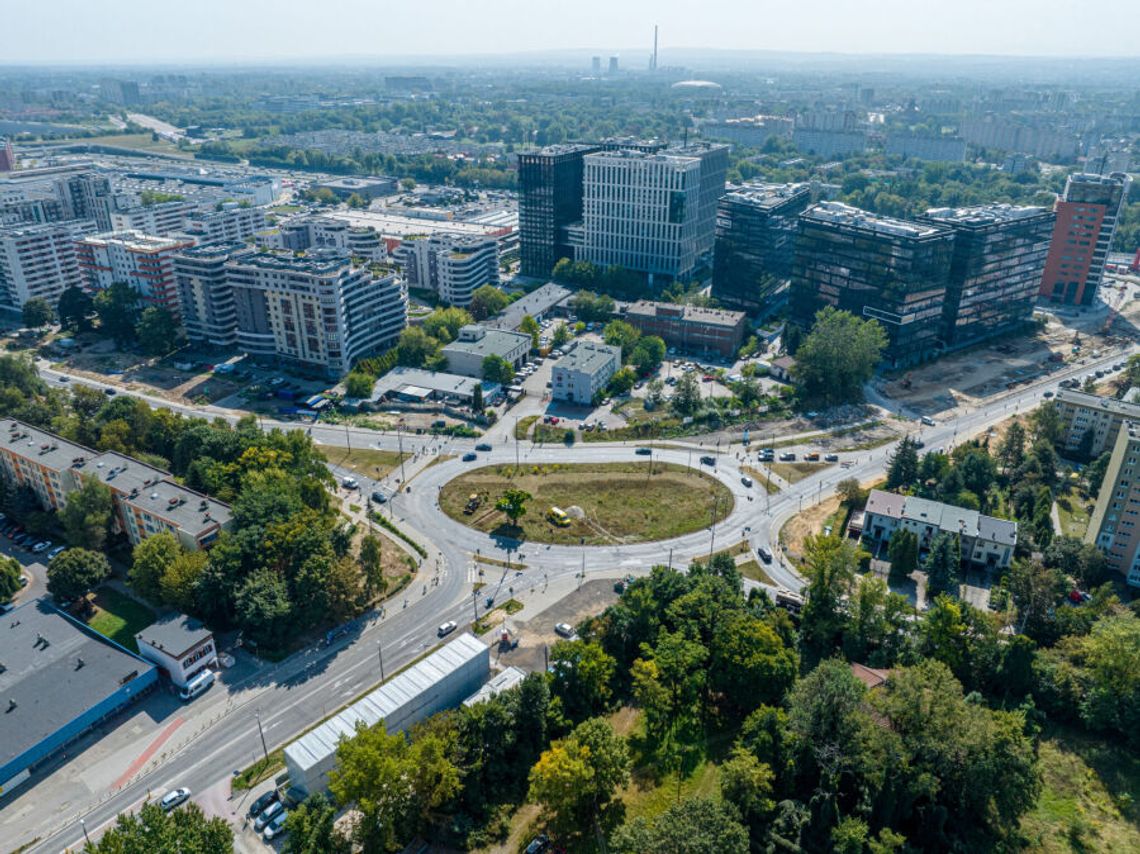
999	256
160	219
320	314
1092	421
39	261
7	156
550	199
451	265
755	242
143	261
231	223
1115	523
876	267
1086	219
209	314
654	213
323	232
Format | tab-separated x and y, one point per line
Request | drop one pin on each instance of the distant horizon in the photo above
150	32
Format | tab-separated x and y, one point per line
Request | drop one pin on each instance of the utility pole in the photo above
712	527
516	445
261	732
380	650
400	440
347	437
475	604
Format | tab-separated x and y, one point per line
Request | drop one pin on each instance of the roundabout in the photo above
594	504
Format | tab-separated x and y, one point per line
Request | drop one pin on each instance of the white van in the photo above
197	685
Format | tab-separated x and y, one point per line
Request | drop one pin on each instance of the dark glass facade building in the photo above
755	242
995	273
875	267
550	198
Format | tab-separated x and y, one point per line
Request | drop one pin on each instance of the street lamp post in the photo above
261	732
380	651
83	824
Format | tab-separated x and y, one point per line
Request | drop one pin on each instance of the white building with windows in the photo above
39	261
475	343
584	371
181	646
453	266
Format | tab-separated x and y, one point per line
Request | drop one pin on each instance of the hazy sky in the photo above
126	31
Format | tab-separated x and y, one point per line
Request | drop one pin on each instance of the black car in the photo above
379	497
109	392
645	452
765	555
469	456
708	461
261	803
483	446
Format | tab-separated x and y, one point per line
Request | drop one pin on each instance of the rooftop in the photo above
350	182
151	490
497	684
52	670
985	215
136	241
287	262
482	341
767	195
175	634
688	313
838	213
1095	401
535	303
316	745
945	517
401	378
45	448
588	356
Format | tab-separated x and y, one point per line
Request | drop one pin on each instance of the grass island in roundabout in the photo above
602	503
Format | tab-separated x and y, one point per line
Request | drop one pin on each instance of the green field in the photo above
368	462
621	502
1074	511
795	472
119	617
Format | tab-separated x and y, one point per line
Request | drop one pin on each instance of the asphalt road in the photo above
295	694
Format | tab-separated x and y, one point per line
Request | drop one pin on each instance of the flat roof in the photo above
136	240
315	746
982	215
1095	401
395	225
689	313
497	684
763	195
41	446
350	181
535	303
54	670
588	356
838	213
497	342
175	634
407	380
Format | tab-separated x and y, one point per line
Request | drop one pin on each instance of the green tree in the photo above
591	307
477	398
512	503
371	565
357	201
692	826
263	607
622	382
686	399
496	369
86	517
310	829
903	469
577	776
1111	700
75	572
1095	472
152	829
118	310
407	184
647	354
487	301
838	356
942	566
444	324
415	347
618	333
750	663
358	384
37	312
395	782
853	495
1011	451
581	673
1047	423
150	561
902	550
561	336
1036	592
747	784
75	308
157	331
830	564
529	326
179	584
10	572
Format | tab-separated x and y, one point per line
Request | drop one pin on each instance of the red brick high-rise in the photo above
7	156
1082	235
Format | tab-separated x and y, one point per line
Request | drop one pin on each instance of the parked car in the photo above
267	815
447	628
1047	394
110	392
272	796
42	545
928	421
277	826
350	483
787	457
831	458
539	845
812	456
564	630
57	550
173	798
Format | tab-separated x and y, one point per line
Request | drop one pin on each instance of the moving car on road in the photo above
447	628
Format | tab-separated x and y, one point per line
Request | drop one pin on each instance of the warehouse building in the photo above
416	385
475	343
441	681
58	679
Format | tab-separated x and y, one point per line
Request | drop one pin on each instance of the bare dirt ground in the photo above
537	632
804	524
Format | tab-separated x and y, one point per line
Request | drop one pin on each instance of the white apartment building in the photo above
453	266
475	343
180	645
209	314
321	232
39	261
584	371
143	261
654	213
162	218
317	313
1081	412
232	224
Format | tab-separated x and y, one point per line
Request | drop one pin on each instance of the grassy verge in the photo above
752	569
387	523
522	428
619	502
761	479
368	462
1074	511
546	433
494	561
495	616
795	472
119	617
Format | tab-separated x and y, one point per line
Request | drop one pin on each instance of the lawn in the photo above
752	569
1074	511
620	502
1088	801
119	617
522	428
368	462
795	472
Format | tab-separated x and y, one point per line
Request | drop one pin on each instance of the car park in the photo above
272	796
447	628
267	815
173	798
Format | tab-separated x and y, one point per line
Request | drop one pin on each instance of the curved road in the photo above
296	693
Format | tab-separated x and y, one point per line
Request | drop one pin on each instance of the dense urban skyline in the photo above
132	31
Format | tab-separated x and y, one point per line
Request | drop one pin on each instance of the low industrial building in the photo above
58	679
547	301
986	542
497	684
583	372
441	681
367	187
179	645
688	327
1081	412
415	385
475	343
